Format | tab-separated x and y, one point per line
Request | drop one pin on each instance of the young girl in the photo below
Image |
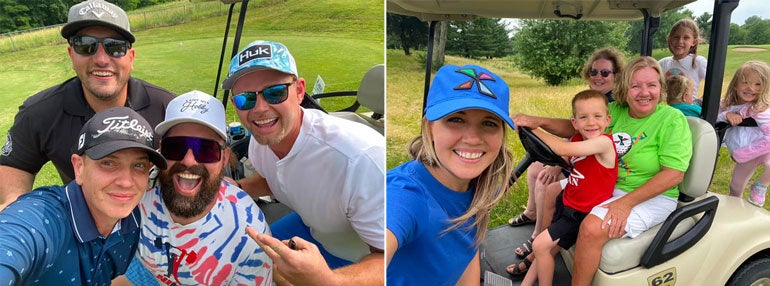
438	204
679	90
683	45
748	96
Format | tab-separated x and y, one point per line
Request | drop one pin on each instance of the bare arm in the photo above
391	245
15	182
601	146
368	271
255	185
557	126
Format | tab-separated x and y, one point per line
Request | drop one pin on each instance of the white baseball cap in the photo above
194	107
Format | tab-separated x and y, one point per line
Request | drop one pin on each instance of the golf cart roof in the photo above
444	10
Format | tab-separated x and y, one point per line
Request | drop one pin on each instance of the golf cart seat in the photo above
370	94
684	227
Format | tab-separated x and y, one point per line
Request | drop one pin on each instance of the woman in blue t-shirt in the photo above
438	204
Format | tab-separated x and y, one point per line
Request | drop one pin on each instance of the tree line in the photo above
17	15
554	50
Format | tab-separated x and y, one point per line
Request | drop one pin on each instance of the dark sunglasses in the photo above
605	73
204	150
272	94
87	45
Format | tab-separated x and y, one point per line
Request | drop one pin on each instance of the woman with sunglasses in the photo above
599	71
439	203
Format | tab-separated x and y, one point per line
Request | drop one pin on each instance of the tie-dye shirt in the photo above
214	250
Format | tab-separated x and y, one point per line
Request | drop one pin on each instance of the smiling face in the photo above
643	92
104	78
113	185
749	88
680	41
590	117
466	142
189	188
276	125
599	83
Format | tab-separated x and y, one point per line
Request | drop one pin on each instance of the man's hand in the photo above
302	265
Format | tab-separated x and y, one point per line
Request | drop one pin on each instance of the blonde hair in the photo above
608	53
588	94
620	93
686	24
490	185
762	71
676	85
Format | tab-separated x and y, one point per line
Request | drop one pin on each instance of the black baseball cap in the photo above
116	129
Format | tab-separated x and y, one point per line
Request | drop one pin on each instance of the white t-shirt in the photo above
215	250
334	178
683	67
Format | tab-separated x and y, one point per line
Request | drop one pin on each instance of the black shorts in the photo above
565	224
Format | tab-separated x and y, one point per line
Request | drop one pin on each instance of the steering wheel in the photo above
538	150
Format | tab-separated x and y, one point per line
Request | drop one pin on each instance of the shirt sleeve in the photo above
675	141
33	231
406	205
22	149
365	175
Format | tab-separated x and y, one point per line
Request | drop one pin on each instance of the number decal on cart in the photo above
664	278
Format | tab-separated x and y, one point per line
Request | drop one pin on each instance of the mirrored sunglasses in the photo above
605	73
273	95
87	45
204	150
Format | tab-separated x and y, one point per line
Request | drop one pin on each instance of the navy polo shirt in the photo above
48	237
48	123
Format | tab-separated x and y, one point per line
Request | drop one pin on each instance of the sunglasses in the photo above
87	45
272	94
204	150
605	73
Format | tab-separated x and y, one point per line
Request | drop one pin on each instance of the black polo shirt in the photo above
47	124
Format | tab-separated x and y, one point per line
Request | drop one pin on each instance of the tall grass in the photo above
184	57
530	96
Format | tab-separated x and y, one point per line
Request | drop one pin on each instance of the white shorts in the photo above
643	216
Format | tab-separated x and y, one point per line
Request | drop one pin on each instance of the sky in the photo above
745	9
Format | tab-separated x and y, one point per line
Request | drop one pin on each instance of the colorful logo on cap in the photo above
476	77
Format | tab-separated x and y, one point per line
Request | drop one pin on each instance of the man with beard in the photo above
194	223
85	232
100	40
330	171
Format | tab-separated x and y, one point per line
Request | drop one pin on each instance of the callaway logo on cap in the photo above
97	13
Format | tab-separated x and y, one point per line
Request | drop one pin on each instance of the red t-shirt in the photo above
589	183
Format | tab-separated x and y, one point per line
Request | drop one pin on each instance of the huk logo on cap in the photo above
123	125
255	52
94	6
477	78
194	105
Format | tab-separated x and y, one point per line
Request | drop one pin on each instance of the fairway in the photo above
337	40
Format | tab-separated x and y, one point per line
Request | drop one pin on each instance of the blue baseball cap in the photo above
467	87
260	55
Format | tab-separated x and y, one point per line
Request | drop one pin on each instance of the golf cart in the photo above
370	95
710	239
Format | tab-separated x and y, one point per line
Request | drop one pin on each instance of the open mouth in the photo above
469	155
187	183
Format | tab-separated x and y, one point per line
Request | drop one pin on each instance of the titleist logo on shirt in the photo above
122	125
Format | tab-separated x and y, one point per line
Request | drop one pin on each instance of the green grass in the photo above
405	83
338	40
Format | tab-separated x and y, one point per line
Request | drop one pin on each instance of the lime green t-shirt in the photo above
646	144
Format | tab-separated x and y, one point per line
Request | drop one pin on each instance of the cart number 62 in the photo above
664	278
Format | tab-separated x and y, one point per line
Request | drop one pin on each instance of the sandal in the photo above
516	270
520	220
525	249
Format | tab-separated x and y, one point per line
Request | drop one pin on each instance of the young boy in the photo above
591	180
680	89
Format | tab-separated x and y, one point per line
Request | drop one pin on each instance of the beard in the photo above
186	206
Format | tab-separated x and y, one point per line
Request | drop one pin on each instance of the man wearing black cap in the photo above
100	40
85	232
